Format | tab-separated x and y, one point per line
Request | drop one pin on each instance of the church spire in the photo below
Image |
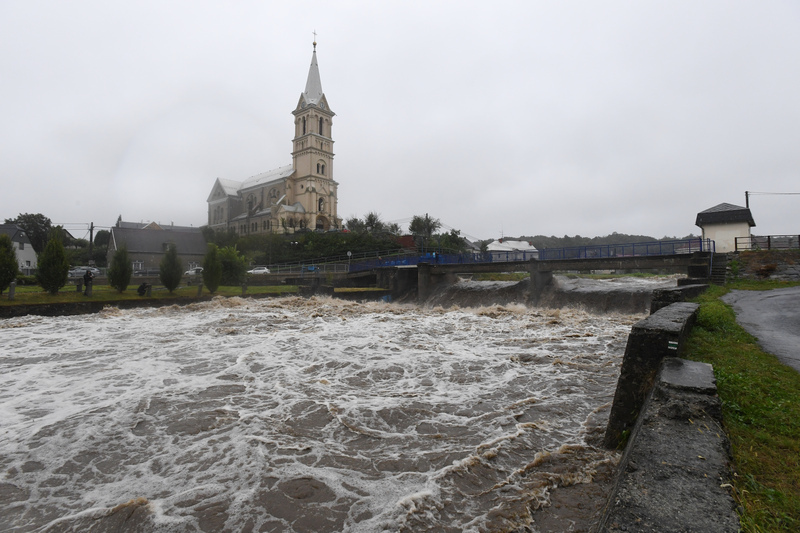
313	93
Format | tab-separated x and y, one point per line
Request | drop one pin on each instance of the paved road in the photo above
773	317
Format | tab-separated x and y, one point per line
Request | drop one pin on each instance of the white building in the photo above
510	250
26	255
723	223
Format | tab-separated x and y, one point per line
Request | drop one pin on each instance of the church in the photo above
300	196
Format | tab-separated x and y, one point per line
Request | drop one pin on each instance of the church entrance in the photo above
323	224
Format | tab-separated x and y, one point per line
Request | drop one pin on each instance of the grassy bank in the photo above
761	410
105	293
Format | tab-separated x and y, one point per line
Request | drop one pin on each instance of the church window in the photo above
320	127
321	205
304	125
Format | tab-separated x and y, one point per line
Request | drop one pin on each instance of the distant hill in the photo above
542	241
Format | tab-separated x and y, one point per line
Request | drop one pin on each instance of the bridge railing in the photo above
767	242
679	246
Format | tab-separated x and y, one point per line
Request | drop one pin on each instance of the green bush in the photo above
234	266
8	262
121	270
212	269
170	269
53	267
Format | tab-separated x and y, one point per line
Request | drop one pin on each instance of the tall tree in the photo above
8	262
170	269
424	226
36	227
121	270
53	267
212	269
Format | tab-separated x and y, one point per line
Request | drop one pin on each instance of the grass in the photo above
761	412
105	293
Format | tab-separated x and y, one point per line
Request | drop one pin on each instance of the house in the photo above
26	255
723	223
298	196
511	250
147	244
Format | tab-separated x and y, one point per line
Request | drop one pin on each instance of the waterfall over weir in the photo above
318	414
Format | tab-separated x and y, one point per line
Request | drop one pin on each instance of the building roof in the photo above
313	93
724	213
506	245
14	232
276	174
188	241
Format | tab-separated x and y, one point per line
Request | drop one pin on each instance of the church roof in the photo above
724	213
266	177
313	93
230	187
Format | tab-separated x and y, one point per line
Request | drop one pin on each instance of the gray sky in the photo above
514	118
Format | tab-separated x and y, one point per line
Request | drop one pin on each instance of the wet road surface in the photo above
773	317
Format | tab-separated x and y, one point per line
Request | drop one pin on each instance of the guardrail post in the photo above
11	289
199	289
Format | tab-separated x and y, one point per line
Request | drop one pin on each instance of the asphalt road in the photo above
773	317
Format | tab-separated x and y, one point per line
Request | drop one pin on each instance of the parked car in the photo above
259	270
196	271
78	272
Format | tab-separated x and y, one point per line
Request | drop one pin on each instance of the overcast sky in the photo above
498	118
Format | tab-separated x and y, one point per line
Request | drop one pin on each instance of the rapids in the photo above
298	415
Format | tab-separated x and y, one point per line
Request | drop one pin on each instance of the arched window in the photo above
304	125
320	127
321	207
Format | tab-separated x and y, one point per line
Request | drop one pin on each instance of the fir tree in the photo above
8	262
170	270
121	270
53	267
212	269
234	266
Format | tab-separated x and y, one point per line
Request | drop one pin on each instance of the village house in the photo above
26	255
148	242
723	223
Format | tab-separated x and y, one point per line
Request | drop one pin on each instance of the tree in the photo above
212	269
170	269
36	227
373	223
234	266
121	270
356	225
452	241
102	238
8	262
423	228
53	267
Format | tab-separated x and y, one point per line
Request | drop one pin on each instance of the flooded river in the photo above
293	415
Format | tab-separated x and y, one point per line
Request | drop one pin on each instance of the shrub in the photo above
8	262
170	270
234	266
53	267
121	270
212	269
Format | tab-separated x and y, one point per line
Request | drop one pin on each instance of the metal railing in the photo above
767	242
680	246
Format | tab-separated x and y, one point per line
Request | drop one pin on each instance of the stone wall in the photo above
767	264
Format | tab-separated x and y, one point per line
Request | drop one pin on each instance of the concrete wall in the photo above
724	235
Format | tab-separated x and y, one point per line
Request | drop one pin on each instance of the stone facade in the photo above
300	196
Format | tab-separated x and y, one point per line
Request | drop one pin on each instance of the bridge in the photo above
404	273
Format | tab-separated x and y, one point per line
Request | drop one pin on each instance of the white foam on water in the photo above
298	414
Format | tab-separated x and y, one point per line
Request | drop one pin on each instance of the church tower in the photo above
312	154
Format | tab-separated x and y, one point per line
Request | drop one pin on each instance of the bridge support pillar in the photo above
539	281
423	281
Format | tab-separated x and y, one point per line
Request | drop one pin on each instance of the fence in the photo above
767	242
680	246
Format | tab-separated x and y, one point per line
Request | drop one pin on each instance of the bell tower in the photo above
312	155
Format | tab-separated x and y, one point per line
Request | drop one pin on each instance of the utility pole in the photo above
747	199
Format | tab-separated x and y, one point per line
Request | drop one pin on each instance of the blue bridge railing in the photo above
680	246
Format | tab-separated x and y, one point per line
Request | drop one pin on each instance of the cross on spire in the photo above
315	39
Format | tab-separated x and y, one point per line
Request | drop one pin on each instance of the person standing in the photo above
87	279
